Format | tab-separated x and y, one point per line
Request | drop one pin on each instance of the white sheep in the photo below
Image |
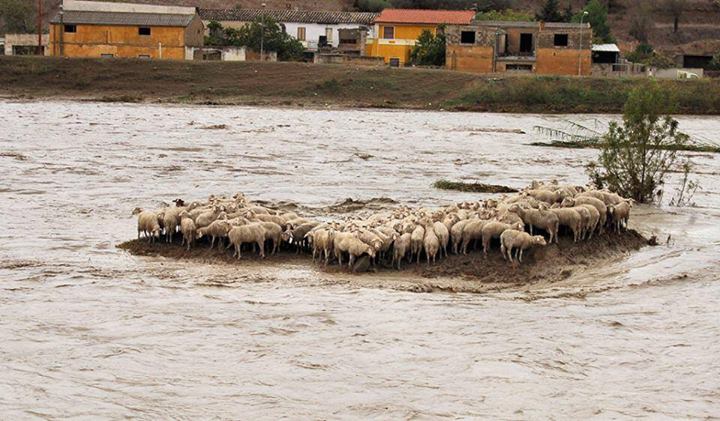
401	247
417	239
253	233
322	242
456	234
520	240
273	233
494	229
571	219
539	218
443	235
431	243
620	214
187	228
354	247
148	224
472	232
217	230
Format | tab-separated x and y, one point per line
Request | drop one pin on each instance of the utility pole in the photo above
62	31
262	33
39	28
582	17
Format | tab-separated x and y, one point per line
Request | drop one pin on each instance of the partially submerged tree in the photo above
636	155
429	50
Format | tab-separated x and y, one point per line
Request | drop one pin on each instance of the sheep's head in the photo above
200	233
179	203
518	226
370	252
222	216
538	240
286	236
568	202
611	210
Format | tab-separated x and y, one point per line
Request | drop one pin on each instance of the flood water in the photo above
88	331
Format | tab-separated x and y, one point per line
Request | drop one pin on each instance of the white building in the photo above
313	29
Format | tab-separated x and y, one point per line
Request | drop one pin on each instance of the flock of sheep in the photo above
398	235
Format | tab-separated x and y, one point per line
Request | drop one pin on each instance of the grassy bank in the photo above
299	84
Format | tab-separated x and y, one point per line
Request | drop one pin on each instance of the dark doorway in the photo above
526	43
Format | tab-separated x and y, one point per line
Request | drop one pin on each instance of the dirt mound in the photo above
471	273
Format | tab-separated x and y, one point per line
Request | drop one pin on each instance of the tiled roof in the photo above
76	17
295	16
435	17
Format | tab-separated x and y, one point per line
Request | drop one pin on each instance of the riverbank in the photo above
338	86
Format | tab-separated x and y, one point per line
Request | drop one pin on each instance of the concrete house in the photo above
534	47
397	31
314	29
104	29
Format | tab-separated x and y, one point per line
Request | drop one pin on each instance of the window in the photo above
144	57
106	56
394	62
301	33
71	29
518	67
561	40
388	32
328	35
526	43
144	30
467	37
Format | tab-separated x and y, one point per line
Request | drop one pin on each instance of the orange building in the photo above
103	29
396	31
533	47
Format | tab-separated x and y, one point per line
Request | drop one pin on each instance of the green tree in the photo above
636	155
429	50
597	18
646	54
17	16
217	34
505	15
550	12
266	31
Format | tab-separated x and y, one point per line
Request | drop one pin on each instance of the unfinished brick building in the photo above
533	47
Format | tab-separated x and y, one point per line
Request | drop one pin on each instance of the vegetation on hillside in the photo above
597	14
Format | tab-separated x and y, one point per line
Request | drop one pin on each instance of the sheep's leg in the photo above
238	250
212	242
531	229
261	246
521	255
351	261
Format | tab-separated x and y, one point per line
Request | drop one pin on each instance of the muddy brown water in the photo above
89	331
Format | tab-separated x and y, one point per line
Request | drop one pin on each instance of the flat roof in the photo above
606	48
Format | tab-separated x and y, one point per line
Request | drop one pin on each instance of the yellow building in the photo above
396	31
103	29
